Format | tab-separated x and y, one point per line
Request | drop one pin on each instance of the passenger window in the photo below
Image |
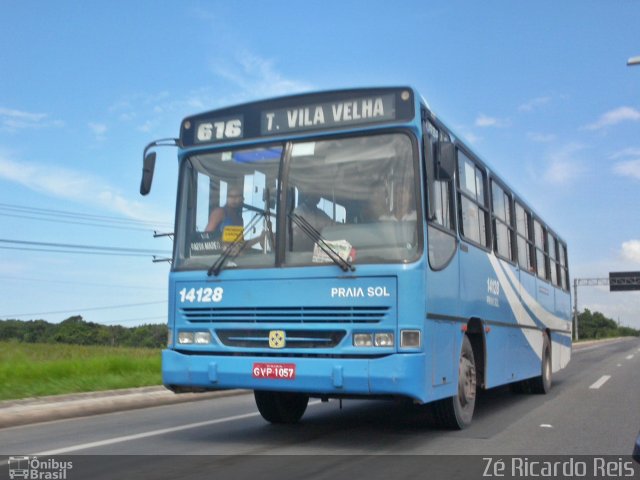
525	245
539	236
553	259
504	235
472	201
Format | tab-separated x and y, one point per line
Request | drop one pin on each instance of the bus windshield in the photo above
355	196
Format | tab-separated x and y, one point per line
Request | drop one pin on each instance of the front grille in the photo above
285	314
294	338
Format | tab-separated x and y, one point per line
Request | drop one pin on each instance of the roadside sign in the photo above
624	281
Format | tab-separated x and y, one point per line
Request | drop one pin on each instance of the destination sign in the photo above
334	110
328	114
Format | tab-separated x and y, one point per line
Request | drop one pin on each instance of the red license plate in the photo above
276	371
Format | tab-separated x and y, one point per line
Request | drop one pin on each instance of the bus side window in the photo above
539	236
503	242
472	201
524	236
564	269
553	259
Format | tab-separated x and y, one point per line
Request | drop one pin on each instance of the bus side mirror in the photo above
445	161
148	166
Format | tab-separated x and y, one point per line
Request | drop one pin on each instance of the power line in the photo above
91	248
86	224
89	309
48	250
86	284
79	215
127	320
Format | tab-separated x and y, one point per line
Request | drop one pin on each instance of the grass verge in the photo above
39	369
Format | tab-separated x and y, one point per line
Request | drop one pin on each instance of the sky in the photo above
540	90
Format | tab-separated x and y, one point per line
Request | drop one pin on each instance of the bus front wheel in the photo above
456	412
281	407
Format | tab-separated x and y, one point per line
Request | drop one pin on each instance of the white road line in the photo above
137	436
629	357
152	433
603	379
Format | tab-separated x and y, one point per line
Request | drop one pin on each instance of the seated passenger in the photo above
308	209
378	208
403	207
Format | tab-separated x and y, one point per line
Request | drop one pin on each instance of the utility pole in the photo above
575	307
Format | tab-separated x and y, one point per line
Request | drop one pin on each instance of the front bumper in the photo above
397	374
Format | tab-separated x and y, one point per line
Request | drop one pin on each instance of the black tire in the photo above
542	384
455	413
281	407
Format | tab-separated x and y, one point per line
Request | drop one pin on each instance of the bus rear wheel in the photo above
542	384
281	407
456	412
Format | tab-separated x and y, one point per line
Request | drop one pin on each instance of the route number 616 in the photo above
219	130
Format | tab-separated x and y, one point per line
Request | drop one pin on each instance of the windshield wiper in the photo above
316	236
234	248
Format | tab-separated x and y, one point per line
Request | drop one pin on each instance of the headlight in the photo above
380	339
362	340
202	337
185	338
199	338
384	340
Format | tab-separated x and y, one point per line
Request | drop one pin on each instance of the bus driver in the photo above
228	215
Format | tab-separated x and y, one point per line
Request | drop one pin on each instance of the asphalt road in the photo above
592	409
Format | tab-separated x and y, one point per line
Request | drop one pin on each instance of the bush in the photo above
75	331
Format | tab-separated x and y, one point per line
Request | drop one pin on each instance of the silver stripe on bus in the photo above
522	317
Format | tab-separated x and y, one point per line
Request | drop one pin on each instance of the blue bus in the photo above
346	244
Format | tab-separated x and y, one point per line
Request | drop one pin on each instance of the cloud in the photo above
541	137
631	251
257	76
77	186
614	117
484	121
534	104
98	129
627	152
630	167
563	166
12	120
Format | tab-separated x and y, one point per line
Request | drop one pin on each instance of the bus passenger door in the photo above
442	305
442	282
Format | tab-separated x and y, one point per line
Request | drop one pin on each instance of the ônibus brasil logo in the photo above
31	468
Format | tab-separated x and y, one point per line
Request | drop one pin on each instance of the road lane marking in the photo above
629	357
137	436
152	433
603	379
